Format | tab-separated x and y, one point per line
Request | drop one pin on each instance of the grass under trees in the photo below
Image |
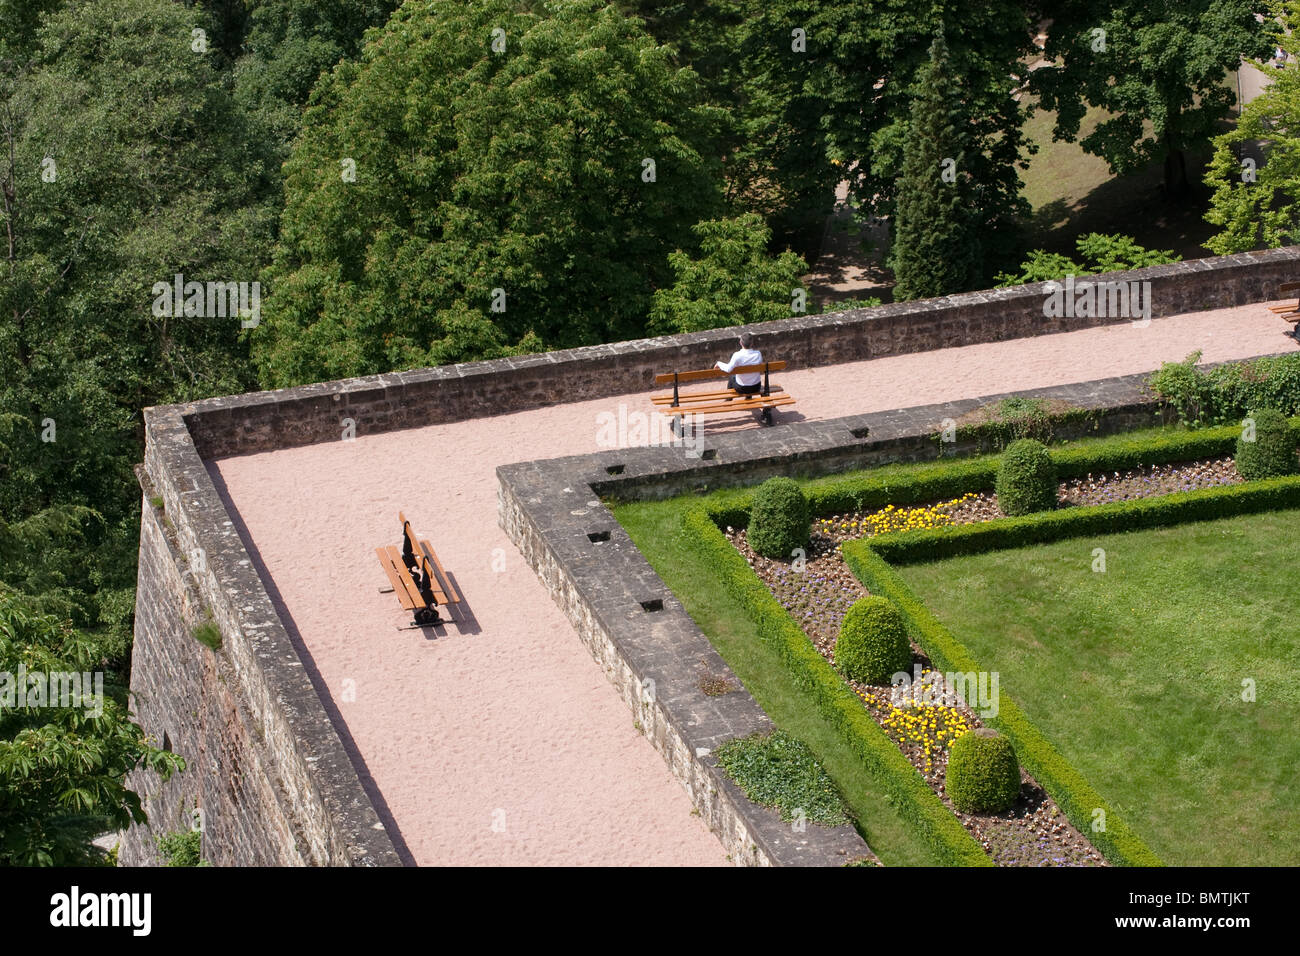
1136	673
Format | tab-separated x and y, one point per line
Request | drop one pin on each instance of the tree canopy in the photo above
1157	69
1258	203
733	282
504	199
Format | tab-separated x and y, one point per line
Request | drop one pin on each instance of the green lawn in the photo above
1073	193
1136	674
654	528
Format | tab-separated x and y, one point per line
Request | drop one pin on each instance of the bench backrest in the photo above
410	544
1289	287
683	378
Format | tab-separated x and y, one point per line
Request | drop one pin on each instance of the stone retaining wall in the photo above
260	421
266	765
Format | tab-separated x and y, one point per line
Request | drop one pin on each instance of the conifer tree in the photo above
936	247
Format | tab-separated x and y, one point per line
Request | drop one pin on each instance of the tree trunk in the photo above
1176	184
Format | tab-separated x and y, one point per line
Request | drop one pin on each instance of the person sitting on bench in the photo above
748	383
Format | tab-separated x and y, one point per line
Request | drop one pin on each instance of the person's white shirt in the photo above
742	358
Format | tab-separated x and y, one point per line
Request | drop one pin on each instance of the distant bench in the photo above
417	576
718	401
1290	312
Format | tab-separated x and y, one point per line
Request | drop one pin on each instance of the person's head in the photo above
746	340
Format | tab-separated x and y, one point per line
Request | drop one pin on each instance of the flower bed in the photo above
817	594
1032	833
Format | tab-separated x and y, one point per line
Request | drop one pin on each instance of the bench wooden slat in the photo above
1289	287
411	588
743	403
683	397
443	589
425	567
391	560
700	375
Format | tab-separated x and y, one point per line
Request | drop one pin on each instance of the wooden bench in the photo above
417	576
1290	312
717	401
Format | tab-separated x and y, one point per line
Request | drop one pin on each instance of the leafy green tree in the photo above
124	163
1101	253
1258	204
502	201
733	282
286	46
859	76
63	769
936	247
773	149
19	20
1156	69
820	92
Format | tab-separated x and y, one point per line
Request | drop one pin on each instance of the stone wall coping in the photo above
221	425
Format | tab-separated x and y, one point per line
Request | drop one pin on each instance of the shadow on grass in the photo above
1135	205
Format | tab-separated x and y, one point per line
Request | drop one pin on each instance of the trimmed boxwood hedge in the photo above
983	775
907	791
778	519
1067	786
872	645
1271	451
952	478
1203	504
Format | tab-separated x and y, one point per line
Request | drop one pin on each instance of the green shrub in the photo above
1026	479
1225	393
779	521
998	424
1201	504
1272	381
1069	788
779	771
836	702
1101	253
180	849
1187	388
872	646
1272	451
983	774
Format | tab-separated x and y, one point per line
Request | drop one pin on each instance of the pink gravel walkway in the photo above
509	746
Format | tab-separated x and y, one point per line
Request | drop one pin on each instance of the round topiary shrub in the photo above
779	520
1273	452
872	646
1026	479
983	774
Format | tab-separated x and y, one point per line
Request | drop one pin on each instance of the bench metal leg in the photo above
767	416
